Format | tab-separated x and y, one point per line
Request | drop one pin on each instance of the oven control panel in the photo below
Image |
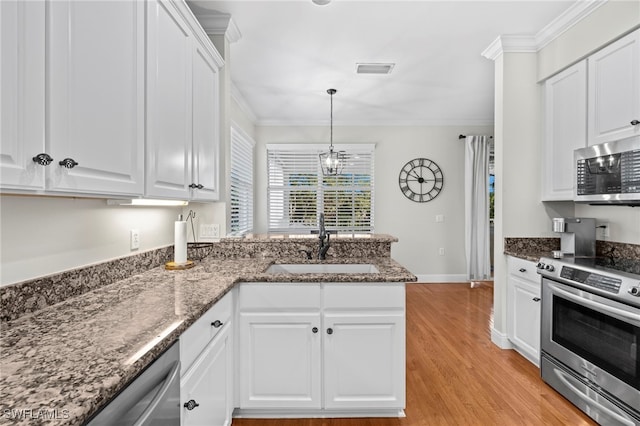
601	282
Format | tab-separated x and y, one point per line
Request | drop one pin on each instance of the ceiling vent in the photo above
374	68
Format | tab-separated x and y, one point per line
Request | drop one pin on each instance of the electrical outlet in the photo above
211	230
604	230
439	218
441	251
135	239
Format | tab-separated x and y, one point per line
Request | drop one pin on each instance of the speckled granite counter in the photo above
534	248
531	248
68	359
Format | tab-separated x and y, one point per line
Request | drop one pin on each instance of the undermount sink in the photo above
322	268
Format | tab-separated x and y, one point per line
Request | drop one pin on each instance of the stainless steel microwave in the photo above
608	173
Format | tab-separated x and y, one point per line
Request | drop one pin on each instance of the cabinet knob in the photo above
314	329
522	270
43	159
635	122
329	330
196	186
68	163
217	324
190	405
536	299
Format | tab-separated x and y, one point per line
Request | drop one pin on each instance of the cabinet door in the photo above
524	317
614	90
169	50
565	130
95	106
364	360
205	126
208	383
22	79
280	360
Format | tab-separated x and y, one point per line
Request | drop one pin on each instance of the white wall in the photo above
44	235
414	224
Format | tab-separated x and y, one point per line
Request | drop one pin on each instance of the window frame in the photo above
356	185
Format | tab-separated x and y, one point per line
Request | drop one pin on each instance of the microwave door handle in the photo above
564	378
147	414
619	313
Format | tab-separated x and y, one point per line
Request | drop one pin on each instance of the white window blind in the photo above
298	192
241	183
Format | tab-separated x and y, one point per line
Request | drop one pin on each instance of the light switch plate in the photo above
211	230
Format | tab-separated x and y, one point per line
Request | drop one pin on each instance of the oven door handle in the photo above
564	378
619	313
147	416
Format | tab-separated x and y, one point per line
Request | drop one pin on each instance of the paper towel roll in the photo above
180	242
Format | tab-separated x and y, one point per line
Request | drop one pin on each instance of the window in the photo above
298	192
241	183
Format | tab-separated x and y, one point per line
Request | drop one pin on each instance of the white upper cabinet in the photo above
206	113
614	91
22	79
565	129
95	99
78	110
182	106
168	102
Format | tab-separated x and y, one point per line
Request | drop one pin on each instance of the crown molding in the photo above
216	24
533	43
570	17
510	44
242	103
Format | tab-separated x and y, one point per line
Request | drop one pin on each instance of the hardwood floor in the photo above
455	375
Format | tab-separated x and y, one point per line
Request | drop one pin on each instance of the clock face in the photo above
421	180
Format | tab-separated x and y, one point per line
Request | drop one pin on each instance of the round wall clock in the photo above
421	180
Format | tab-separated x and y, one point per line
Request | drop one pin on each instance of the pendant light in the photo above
332	162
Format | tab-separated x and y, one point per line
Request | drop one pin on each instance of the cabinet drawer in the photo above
200	333
523	268
279	296
364	295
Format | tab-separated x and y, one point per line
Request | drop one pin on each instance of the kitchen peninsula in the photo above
69	357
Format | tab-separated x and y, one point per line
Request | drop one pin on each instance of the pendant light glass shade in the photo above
332	162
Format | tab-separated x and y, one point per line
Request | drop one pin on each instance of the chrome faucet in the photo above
323	236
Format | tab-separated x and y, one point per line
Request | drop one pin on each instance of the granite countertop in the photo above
69	359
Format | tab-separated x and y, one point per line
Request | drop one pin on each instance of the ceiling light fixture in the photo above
332	162
321	2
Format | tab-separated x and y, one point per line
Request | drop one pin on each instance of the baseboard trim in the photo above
241	413
500	339
442	278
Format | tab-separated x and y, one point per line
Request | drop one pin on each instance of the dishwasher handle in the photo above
148	414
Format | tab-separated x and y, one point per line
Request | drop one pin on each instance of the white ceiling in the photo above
291	52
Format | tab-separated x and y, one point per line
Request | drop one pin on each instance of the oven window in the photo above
607	342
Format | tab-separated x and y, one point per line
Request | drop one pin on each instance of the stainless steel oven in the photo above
590	336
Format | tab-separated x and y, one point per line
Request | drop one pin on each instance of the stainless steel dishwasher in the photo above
152	398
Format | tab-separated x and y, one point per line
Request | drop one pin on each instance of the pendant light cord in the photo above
331	92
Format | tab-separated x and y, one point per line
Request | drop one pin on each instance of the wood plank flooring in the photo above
455	375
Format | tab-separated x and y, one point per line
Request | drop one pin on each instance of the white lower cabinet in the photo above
310	349
364	361
206	354
523	309
280	360
206	390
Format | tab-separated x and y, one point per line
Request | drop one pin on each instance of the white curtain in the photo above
476	189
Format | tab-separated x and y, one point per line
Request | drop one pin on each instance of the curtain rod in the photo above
464	136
